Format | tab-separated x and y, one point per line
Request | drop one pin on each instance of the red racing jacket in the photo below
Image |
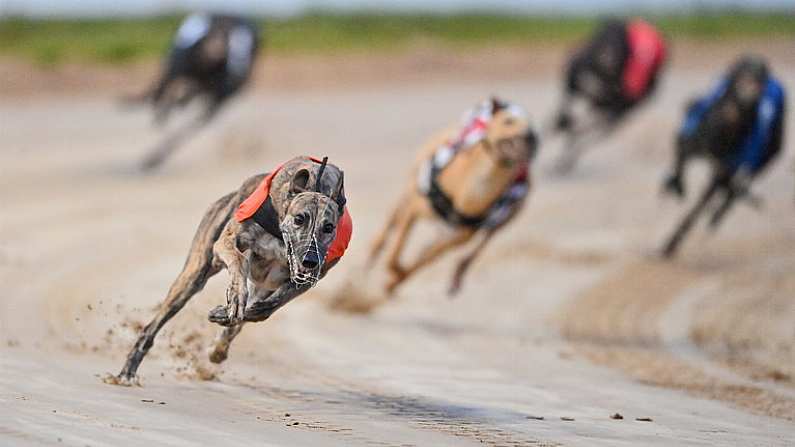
646	55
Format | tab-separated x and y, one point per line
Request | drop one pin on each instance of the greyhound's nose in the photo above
310	260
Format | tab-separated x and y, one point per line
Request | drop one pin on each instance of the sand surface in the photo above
568	315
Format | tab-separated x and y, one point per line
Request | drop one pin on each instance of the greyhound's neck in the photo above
474	180
720	135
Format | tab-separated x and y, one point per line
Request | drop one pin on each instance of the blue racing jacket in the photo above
751	153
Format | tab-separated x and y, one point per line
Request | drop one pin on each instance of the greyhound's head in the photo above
733	115
214	48
747	80
510	137
314	205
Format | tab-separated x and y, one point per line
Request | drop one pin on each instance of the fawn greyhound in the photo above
277	236
474	177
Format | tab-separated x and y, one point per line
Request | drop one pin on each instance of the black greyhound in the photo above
211	57
612	73
738	127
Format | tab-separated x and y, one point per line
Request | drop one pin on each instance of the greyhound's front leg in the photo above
263	306
673	183
238	264
580	138
430	254
463	265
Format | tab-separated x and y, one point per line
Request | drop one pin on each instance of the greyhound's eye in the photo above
299	220
328	228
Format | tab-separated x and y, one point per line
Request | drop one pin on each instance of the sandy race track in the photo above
567	319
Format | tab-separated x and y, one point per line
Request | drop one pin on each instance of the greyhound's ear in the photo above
496	105
339	192
300	182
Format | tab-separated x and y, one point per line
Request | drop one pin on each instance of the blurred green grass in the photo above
116	41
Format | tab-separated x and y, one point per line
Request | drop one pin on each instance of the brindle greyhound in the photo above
279	250
469	186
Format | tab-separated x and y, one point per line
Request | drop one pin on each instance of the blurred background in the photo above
52	32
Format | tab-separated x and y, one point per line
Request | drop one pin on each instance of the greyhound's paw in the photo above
218	355
220	315
236	301
121	380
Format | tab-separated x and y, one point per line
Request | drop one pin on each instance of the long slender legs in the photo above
220	348
466	262
428	255
199	267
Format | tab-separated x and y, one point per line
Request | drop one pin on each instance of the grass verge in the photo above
116	41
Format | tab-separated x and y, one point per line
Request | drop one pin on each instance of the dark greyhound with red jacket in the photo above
611	74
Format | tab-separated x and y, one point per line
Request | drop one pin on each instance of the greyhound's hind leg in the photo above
220	348
187	284
380	241
463	265
199	267
170	143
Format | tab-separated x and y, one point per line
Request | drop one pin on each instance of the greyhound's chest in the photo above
720	139
268	265
268	276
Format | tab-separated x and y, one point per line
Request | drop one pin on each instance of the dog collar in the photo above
267	218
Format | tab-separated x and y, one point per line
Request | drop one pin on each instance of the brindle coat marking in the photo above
261	277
